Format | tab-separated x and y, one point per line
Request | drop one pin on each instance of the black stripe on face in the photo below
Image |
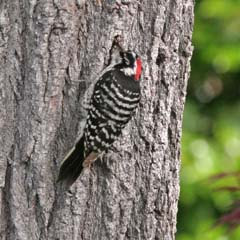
129	58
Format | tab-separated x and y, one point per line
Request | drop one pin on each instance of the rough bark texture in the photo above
50	52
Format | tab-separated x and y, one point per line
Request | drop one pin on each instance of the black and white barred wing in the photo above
111	109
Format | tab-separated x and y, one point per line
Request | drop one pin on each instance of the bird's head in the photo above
131	64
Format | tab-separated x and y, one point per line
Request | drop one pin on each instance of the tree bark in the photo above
50	52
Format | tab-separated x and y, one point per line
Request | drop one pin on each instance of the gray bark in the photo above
50	52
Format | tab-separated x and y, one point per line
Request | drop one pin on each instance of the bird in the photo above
116	95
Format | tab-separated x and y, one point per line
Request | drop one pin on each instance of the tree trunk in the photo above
50	52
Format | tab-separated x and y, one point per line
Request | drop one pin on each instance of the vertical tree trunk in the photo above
50	52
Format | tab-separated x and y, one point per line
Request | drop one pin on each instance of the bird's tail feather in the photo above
71	166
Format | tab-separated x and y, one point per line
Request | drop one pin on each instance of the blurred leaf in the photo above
211	126
232	219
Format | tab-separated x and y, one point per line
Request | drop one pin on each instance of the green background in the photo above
211	126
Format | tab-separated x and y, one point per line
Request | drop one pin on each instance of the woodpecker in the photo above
115	96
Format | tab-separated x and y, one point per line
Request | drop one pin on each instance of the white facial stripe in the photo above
130	71
134	55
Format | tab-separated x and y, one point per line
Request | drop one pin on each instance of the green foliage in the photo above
211	127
